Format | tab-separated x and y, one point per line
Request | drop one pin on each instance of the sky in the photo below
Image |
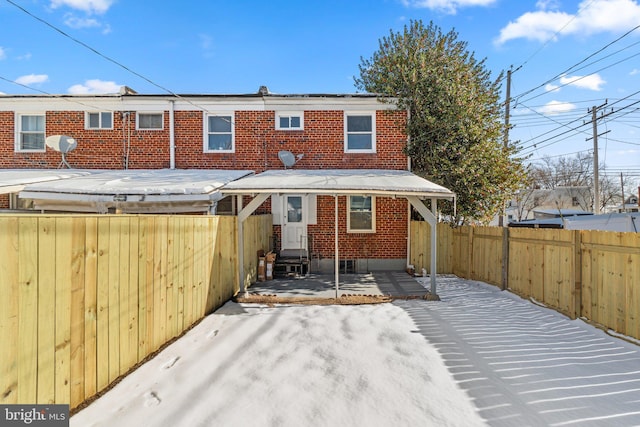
479	356
567	56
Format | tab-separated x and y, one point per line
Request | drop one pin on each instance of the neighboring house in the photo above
527	202
630	205
250	133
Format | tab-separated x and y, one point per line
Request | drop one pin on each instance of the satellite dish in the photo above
61	143
287	158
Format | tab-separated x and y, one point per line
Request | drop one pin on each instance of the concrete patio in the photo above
380	283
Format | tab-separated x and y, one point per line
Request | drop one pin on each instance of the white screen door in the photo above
294	225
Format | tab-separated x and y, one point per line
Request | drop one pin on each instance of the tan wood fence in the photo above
83	299
581	273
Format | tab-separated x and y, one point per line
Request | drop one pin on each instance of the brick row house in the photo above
129	132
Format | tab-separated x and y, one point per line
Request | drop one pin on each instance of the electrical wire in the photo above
568	70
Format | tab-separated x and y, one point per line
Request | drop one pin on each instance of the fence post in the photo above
577	274
505	258
470	255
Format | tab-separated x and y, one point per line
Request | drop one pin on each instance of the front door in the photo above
294	225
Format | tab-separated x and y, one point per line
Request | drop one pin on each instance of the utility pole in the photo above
507	109
624	206
596	174
503	219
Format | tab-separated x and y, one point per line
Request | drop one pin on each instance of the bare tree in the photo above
575	176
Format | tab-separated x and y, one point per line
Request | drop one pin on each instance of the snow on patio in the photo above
479	354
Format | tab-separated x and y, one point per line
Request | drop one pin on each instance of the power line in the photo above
557	76
107	58
553	37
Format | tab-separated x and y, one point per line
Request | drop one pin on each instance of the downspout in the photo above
172	136
408	204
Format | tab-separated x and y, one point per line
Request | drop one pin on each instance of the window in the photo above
30	132
219	135
361	214
103	120
289	121
152	121
360	131
226	206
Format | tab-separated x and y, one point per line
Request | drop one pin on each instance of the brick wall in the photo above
257	143
97	148
322	142
389	240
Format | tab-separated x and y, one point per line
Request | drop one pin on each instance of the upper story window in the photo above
219	134
361	214
150	121
102	120
289	121
30	131
360	132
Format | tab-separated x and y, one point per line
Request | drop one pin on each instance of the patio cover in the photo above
338	182
14	180
135	191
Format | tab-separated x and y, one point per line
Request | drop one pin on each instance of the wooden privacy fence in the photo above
85	298
581	273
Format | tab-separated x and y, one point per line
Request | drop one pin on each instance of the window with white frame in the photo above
30	132
219	133
100	120
361	214
289	121
360	132
150	121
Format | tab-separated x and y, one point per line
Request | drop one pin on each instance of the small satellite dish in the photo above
61	143
287	158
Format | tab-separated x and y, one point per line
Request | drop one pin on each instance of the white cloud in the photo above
556	107
634	72
32	79
3	54
592	17
88	6
547	4
77	23
552	88
447	6
590	82
94	86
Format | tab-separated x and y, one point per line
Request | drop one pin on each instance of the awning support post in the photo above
336	249
433	222
243	214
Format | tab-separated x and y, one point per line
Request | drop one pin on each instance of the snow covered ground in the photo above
478	357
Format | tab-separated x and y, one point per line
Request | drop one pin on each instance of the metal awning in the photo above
339	182
375	182
14	180
135	191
